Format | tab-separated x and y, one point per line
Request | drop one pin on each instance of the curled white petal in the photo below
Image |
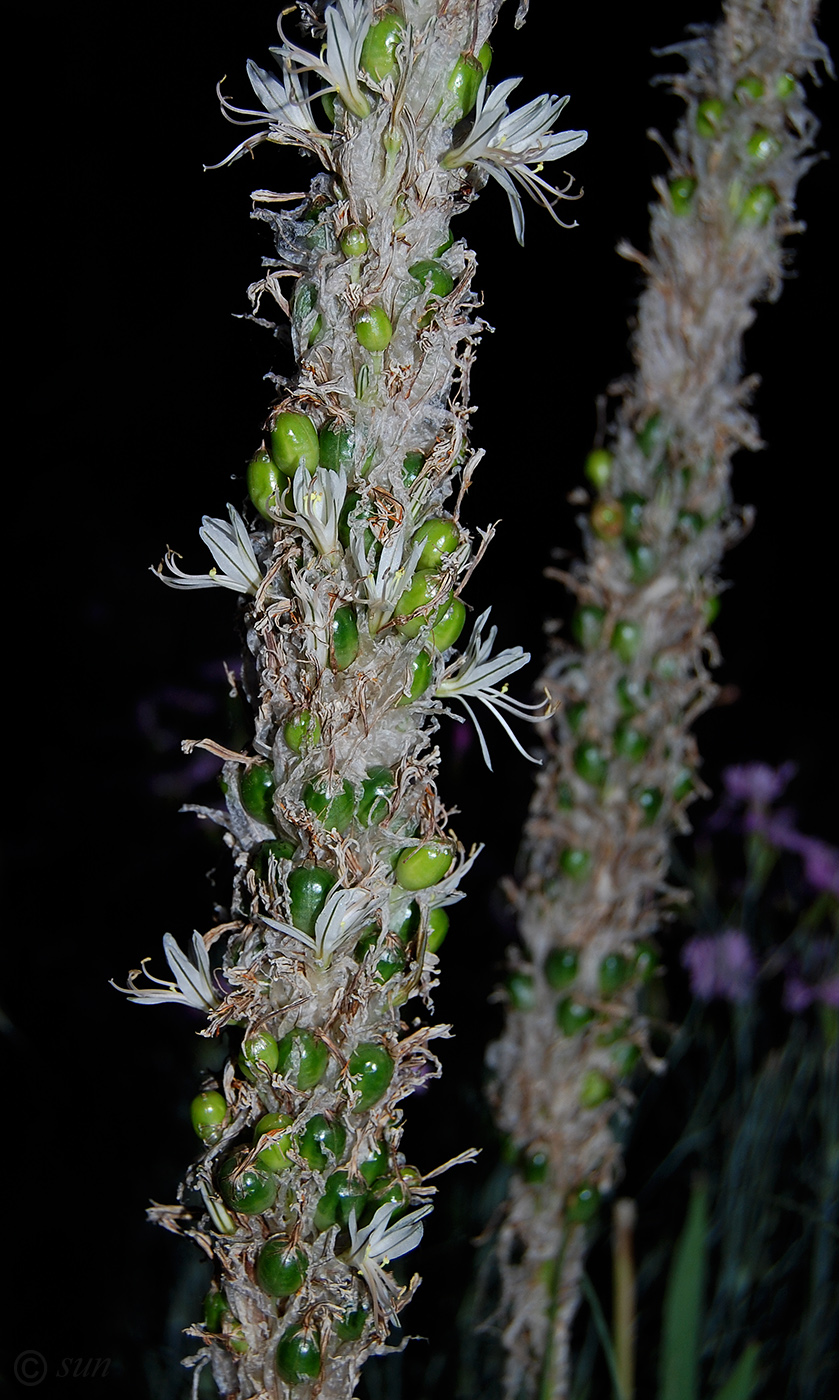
379	1242
318	501
347	23
236	566
344	914
193	985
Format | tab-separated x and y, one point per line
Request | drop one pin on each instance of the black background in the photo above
140	401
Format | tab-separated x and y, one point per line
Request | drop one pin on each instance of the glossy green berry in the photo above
391	962
266	484
521	990
643	561
683	784
534	1167
614	972
343	644
438	538
691	523
406	926
651	437
371	1070
302	732
681	194
378	52
625	1056
463	84
561	967
709	115
411	467
607	520
215	1309
420	678
582	1205
419	867
757	207
646	961
343	1195
433	277
294	443
273	1156
280	1269
632	694
630	743
749	89
448	624
626	639
587	626
633	513
572	1016
598	467
373	330
335	446
396	1194
302	1058
763	146
375	794
649	799
485	56
246	1189
350	1326
260	1054
207	1113
327	102
376	1164
575	862
333	813
590	762
256	789
595	1089
785	86
280	850
322	1141
308	887
298	1356
574	714
712	610
421	591
438	927
354	243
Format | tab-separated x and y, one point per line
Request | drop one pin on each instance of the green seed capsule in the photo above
690	523
595	1089
712	610
575	863
534	1168
260	1055
335	446
273	1157
598	467
308	887
683	784
448	624
433	277
343	1195
280	850
207	1113
643	561
419	867
327	102
607	520
247	1190
256	789
709	117
561	967
625	1056
572	1016
378	52
590	762
302	732
298	1356
411	467
266	484
464	83
333	813
649	800
632	694
376	1164
375	792
302	1059
614	972
438	927
294	443
354	242
749	89
215	1309
343	646
587	626
646	961
582	1205
391	962
629	742
681	194
521	990
449	238
633	513
280	1269
785	86
758	206
485	56
438	538
651	438
350	1327
395	1193
763	146
420	678
626	639
406	927
373	329
371	1070
421	591
321	1141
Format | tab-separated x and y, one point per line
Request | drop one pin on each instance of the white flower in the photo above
343	916
232	550
506	144
194	980
475	672
392	576
318	500
347	23
288	105
378	1243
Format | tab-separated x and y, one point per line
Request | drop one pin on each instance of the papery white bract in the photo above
232	550
347	23
506	144
393	573
193	985
378	1243
476	673
343	916
318	501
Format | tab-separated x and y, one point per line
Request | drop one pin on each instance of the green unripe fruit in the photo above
629	742
643	561
343	645
521	990
572	1016
354	242
336	448
712	610
298	1356
375	792
614	972
412	466
280	1270
266	484
590	762
419	867
273	1157
308	887
350	1327
633	512
333	813
449	238
280	850
247	1190
646	961
763	146
302	732
561	967
691	523
683	784
408	924
758	206
438	927
448	625
681	194
376	1164
322	1140
215	1308
574	714
302	1059
256	789
420	678
649	800
343	1195
395	1194
373	330
625	1056
595	1089
534	1168
371	1070
464	83
587	626
709	117
582	1205
378	52
632	695
433	277
207	1113
785	86
607	520
749	89
327	102
485	56
598	467
391	962
260	1054
575	863
294	443
626	639
421	591
439	538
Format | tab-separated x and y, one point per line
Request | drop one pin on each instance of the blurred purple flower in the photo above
720	965
821	861
757	783
798	994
